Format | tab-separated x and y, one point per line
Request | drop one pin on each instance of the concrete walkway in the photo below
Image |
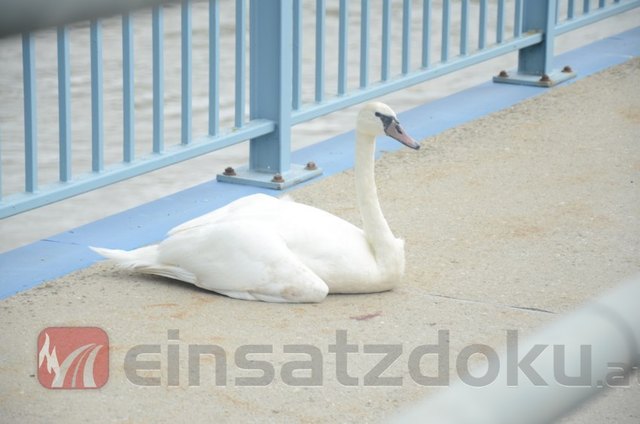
509	221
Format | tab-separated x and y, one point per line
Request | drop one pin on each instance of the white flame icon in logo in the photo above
87	354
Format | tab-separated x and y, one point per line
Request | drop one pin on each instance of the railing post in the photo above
538	16
535	63
271	76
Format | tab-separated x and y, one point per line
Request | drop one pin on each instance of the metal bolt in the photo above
311	166
229	172
503	74
567	69
545	78
277	179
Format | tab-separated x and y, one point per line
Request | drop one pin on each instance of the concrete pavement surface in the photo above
509	221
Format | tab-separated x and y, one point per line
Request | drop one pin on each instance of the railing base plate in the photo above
296	175
554	78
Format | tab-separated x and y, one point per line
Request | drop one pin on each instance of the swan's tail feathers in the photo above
145	260
133	259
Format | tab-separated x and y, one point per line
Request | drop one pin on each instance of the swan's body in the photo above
262	248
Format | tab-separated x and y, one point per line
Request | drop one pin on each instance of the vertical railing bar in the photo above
601	4
386	40
464	27
426	33
570	9
364	43
0	165
406	36
30	118
585	6
64	104
240	62
500	22
517	27
320	29
97	124
446	21
128	89
342	46
186	71
158	78
214	67
297	54
482	36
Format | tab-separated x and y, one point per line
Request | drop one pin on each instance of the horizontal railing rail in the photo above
575	18
280	75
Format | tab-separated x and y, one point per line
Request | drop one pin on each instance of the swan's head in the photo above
376	119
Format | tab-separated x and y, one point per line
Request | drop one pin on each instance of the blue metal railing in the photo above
275	71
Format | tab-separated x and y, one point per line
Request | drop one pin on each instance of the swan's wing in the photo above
286	198
329	248
243	260
255	202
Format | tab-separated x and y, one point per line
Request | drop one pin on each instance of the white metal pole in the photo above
567	363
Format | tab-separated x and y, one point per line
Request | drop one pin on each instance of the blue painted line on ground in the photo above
31	265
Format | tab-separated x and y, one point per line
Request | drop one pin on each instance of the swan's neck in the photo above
389	251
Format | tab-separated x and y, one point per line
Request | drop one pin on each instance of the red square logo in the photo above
73	358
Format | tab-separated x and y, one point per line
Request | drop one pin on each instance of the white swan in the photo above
262	248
